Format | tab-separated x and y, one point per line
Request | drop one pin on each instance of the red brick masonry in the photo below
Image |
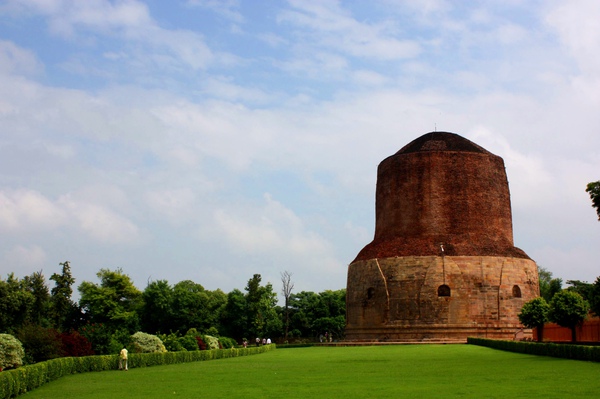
443	218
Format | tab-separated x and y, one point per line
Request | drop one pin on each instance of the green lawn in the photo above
405	371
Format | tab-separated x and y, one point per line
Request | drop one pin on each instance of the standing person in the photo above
123	359
257	341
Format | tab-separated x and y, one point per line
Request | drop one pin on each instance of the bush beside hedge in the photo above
565	351
24	379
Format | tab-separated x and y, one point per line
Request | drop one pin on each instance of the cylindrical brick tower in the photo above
442	265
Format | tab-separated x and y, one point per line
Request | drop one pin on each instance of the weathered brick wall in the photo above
440	191
430	197
397	298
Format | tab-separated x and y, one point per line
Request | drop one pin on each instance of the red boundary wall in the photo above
589	331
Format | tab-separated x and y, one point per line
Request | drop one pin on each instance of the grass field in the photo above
407	371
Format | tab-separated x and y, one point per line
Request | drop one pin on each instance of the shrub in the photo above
567	351
99	336
147	343
227	342
189	342
40	343
75	344
172	342
11	352
201	343
211	342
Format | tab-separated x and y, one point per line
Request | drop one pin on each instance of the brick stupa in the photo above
442	265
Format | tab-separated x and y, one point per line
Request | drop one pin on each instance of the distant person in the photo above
264	341
257	341
245	343
268	341
123	359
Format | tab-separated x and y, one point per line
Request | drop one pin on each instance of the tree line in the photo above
571	306
567	307
111	310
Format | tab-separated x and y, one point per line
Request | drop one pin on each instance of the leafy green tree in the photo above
215	305
64	311
188	305
11	352
16	303
114	302
36	284
568	309
583	288
314	314
234	319
548	285
261	304
534	314
595	298
593	189
304	310
332	312
156	312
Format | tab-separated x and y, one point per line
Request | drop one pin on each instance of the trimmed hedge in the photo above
24	379
565	351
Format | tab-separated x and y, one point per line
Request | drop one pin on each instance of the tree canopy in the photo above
534	314
568	309
593	189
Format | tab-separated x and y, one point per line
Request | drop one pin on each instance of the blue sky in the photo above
211	140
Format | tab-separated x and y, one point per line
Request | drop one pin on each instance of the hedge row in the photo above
24	379
566	351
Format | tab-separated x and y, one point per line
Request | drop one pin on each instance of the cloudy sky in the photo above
211	140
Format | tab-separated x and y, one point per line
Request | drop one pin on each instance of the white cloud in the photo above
17	60
100	223
29	258
175	204
576	24
332	27
225	8
28	211
22	210
272	229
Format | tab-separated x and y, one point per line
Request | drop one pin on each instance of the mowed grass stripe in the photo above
404	371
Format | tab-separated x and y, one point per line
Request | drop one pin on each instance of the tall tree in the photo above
583	288
115	301
548	285
16	303
595	299
593	189
36	284
156	312
234	319
62	306
188	306
568	309
286	289
314	314
261	304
